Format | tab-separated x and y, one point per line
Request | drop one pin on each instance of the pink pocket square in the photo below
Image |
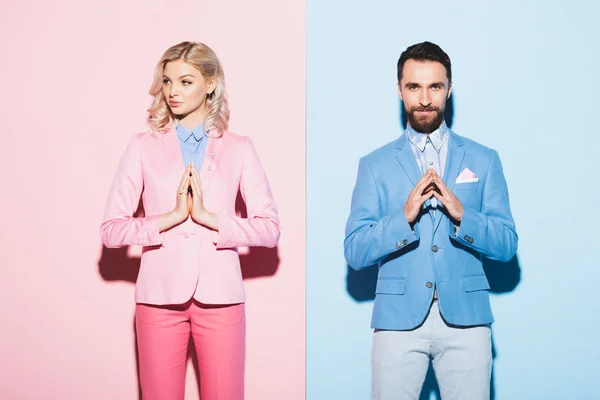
467	176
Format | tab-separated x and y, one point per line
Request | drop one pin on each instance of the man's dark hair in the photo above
425	51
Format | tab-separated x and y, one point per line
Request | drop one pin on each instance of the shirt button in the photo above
429	285
434	248
210	167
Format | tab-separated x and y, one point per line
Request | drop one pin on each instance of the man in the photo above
427	208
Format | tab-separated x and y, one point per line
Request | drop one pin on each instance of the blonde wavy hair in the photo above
204	59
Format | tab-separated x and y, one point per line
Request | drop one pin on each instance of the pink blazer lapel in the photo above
173	153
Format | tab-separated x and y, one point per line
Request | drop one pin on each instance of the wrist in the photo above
408	219
207	219
460	215
200	215
456	219
178	216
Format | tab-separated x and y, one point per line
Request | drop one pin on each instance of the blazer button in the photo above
401	244
469	239
429	285
210	167
434	248
214	155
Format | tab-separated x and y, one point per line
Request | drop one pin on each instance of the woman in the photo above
188	169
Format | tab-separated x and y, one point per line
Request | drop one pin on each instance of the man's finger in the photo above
423	182
440	184
426	196
442	199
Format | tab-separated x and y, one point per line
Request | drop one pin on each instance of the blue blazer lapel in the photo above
454	160
407	160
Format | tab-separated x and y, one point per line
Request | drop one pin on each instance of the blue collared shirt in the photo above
192	144
430	151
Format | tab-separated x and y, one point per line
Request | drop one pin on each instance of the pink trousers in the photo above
163	334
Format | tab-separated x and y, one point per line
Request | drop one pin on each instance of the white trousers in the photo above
461	359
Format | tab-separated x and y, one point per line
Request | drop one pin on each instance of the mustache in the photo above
427	108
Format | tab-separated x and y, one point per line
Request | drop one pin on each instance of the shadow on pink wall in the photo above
116	265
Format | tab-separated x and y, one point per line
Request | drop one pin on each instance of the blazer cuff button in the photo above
401	244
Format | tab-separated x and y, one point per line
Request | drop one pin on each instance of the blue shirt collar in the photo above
436	137
185	134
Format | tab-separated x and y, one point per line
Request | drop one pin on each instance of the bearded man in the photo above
427	208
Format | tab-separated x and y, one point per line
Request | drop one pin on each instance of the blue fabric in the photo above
415	260
430	151
192	144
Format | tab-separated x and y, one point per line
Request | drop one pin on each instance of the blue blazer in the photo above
413	263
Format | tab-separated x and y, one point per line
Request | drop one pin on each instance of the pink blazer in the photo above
190	260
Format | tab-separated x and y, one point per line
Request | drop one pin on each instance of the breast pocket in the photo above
468	194
466	186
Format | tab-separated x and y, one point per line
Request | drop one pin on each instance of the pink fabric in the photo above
219	337
190	260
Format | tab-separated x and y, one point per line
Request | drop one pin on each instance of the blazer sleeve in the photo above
371	235
119	228
490	232
261	227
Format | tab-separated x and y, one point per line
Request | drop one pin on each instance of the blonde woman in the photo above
188	169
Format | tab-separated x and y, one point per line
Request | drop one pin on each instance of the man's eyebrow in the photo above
438	84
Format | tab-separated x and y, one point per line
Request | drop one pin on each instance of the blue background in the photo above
526	83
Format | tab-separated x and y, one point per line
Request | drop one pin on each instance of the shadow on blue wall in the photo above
502	277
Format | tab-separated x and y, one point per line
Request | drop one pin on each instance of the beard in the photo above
425	124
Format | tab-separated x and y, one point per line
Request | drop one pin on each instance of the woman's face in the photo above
185	89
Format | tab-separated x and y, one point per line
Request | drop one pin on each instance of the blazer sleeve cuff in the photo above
223	238
466	232
149	235
402	233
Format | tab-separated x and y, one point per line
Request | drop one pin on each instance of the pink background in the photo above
74	78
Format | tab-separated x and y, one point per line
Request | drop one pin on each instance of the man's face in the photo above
424	89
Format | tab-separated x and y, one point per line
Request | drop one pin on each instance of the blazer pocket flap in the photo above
391	286
474	283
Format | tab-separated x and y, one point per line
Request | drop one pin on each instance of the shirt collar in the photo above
436	137
185	134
